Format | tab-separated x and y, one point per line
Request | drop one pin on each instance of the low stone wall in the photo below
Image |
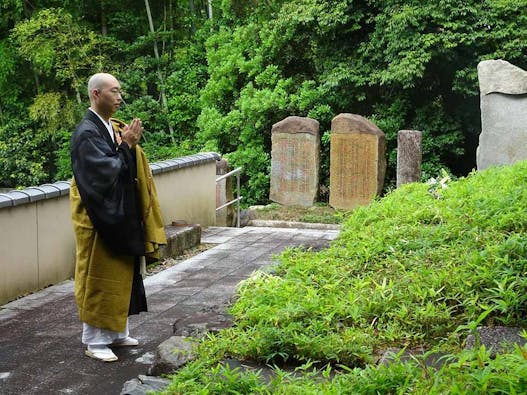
37	246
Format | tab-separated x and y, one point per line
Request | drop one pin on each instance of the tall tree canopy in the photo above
229	74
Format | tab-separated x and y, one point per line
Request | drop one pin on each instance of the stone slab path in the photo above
40	348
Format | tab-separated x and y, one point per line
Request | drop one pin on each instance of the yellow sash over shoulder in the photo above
150	209
153	223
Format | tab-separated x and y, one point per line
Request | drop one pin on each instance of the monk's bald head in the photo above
99	81
105	94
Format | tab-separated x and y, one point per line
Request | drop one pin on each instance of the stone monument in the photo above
503	101
357	161
409	156
295	161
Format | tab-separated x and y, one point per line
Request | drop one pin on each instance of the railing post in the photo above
236	172
238	194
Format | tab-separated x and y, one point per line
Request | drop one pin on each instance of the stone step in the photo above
180	237
291	224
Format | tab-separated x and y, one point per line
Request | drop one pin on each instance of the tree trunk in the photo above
164	105
104	24
209	3
171	12
165	23
192	16
37	81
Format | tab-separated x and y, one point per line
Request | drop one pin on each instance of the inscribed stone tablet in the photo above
295	161
357	161
503	95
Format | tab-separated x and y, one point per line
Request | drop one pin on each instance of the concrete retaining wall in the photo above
37	246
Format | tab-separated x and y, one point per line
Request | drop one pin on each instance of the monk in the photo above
116	219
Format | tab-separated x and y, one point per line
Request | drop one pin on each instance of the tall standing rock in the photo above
357	161
503	100
409	156
295	161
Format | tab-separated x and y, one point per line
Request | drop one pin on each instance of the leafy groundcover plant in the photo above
419	268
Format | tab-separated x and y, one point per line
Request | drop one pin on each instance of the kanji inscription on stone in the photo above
357	161
295	161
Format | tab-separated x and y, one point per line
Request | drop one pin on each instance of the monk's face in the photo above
107	99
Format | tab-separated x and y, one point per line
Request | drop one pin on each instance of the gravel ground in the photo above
168	262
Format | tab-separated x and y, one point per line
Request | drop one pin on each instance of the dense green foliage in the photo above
222	80
421	267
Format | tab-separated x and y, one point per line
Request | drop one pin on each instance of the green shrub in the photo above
407	271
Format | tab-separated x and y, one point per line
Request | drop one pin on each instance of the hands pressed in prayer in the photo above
131	133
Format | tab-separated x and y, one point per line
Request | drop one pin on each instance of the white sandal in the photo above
125	342
102	354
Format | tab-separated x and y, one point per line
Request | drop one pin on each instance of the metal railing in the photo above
236	172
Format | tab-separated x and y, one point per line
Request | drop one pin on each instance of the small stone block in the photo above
35	194
19	197
179	239
180	163
63	186
172	164
155	168
172	354
144	385
498	339
5	200
50	190
388	357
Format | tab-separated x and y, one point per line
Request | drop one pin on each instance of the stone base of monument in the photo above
291	224
180	237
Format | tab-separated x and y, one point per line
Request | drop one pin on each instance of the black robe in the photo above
105	175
